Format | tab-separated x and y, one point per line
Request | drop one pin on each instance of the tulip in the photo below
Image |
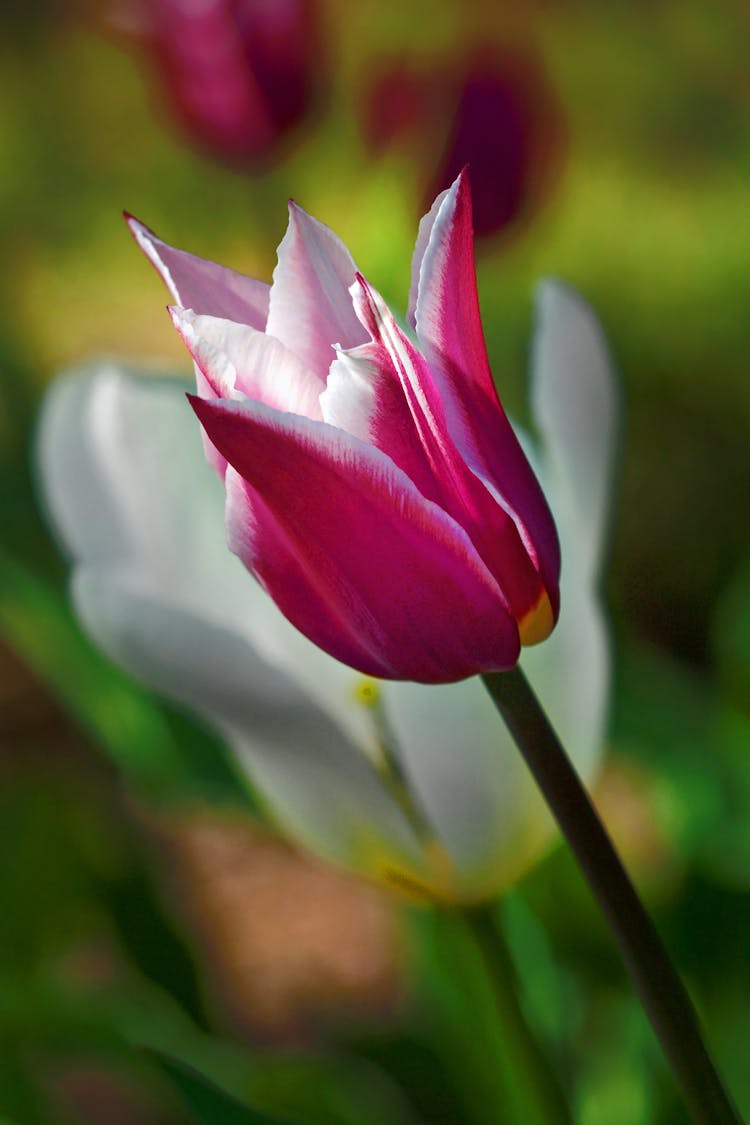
376	490
492	108
156	589
507	127
239	76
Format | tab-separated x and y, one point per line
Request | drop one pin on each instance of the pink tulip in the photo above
380	496
239	74
491	108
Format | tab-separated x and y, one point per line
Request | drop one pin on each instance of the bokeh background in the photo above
141	901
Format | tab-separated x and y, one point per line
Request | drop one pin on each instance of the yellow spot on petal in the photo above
367	692
537	624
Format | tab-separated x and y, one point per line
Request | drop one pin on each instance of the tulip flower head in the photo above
375	487
503	121
142	518
240	75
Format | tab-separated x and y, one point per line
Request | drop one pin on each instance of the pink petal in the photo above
457	489
364	397
310	308
352	554
196	283
236	360
450	332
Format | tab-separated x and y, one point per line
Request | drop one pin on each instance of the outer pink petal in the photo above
310	307
236	360
450	332
459	491
351	552
204	286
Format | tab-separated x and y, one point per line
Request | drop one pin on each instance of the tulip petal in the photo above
485	518
166	601
84	502
574	404
463	766
467	776
101	451
317	784
364	397
199	284
426	223
310	307
450	333
117	500
237	360
352	553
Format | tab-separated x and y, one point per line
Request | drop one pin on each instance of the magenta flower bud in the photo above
491	110
238	73
506	129
375	487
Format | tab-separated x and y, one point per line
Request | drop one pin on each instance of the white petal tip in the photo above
552	295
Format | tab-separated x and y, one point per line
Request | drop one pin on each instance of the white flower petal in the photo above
468	774
127	489
574	404
426	223
202	285
249	363
310	308
314	780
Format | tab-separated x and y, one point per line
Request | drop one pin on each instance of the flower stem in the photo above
532	1072
661	992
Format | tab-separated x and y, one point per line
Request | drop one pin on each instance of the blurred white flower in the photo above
141	515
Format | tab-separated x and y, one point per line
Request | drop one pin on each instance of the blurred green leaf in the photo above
131	1024
694	742
46	888
730	636
413	1061
724	850
21	1096
152	938
665	717
617	1085
165	756
474	1025
210	1104
662	708
549	993
330	1088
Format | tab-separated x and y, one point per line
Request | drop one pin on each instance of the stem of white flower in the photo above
660	989
535	1080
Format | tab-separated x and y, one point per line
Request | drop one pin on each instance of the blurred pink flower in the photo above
381	496
240	74
491	109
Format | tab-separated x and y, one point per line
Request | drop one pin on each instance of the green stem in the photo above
661	992
544	1098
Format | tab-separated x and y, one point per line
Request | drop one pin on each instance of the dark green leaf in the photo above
210	1105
